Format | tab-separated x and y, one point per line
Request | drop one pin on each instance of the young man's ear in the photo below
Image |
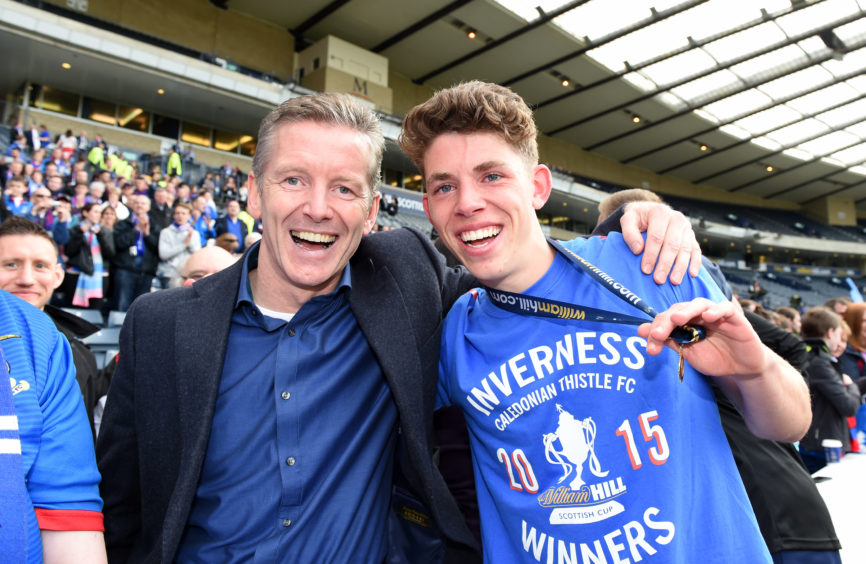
542	182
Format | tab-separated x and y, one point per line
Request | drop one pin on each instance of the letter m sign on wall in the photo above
360	86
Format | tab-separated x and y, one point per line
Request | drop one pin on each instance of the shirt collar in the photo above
251	262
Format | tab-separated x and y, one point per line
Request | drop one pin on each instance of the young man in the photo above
835	396
586	446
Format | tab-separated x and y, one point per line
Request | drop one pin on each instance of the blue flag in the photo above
856	297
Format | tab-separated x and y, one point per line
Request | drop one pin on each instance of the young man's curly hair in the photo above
468	108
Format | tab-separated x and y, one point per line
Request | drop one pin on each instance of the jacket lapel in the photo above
201	338
387	329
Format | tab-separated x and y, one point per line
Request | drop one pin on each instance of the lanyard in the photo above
542	307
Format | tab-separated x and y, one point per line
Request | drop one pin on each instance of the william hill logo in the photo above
593	494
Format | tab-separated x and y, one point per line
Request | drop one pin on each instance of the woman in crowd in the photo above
853	360
835	397
89	248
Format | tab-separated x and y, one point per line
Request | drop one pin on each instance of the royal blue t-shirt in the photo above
585	448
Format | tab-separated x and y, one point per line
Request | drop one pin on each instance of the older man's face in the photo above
315	201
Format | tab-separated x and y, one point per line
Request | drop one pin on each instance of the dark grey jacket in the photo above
161	403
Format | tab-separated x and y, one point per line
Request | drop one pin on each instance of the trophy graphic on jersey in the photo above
576	440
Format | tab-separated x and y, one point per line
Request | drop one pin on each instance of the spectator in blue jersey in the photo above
201	221
254	414
16	196
44	136
585	442
231	223
50	510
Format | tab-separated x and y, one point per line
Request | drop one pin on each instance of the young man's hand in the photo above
769	393
671	246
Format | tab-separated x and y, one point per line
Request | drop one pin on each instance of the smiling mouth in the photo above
480	237
309	239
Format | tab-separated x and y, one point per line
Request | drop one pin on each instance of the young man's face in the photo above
16	189
29	268
315	204
181	215
481	196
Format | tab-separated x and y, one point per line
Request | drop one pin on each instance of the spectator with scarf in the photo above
88	248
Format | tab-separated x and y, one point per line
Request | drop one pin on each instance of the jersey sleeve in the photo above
63	482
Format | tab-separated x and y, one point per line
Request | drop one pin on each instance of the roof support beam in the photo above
300	29
714	127
419	25
797	166
751	138
788	41
504	39
654	18
825	177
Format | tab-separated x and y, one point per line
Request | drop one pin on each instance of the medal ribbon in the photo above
542	307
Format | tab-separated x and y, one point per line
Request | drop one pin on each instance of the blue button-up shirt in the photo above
299	463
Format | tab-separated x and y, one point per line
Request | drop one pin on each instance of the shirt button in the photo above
287	522
291	332
290	461
285	395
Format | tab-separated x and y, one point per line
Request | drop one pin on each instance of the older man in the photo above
136	254
259	413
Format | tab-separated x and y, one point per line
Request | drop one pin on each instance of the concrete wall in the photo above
201	26
832	210
328	79
347	57
131	140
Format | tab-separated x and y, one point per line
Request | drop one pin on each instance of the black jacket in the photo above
221	226
125	235
832	401
158	416
790	511
160	218
78	243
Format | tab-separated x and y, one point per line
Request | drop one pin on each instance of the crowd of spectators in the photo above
835	338
121	228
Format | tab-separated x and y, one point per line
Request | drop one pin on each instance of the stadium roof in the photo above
766	98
